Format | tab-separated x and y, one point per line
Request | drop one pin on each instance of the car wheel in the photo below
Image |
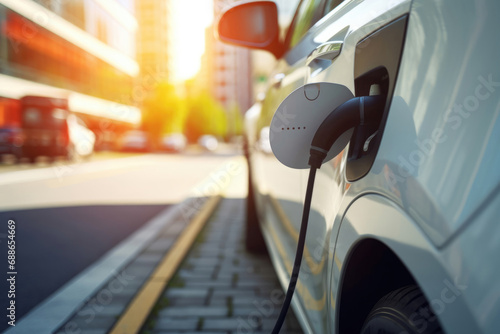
254	240
404	310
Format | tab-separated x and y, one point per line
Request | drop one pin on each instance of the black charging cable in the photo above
298	255
356	111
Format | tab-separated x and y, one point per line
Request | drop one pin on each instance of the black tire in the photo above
402	311
254	241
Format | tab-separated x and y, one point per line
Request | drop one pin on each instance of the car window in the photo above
305	17
331	4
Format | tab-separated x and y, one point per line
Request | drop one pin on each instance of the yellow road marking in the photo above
132	320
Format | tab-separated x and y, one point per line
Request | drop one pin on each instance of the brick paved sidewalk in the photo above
220	288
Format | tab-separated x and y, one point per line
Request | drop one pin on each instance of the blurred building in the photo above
80	49
226	70
153	40
204	78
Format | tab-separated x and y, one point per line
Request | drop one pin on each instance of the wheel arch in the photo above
379	249
365	281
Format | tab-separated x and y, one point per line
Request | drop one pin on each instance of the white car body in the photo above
208	142
174	142
134	140
81	136
431	197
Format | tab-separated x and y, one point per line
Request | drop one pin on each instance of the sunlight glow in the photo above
189	21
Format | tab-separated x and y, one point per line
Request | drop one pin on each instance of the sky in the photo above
189	20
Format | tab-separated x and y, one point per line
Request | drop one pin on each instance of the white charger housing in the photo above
299	116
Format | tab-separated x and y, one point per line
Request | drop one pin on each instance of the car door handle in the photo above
323	56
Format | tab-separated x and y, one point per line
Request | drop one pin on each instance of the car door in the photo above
327	51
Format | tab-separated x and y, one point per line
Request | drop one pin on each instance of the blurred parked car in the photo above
81	137
174	142
49	129
403	233
11	141
208	142
134	141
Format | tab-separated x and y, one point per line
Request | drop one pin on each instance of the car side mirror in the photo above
252	25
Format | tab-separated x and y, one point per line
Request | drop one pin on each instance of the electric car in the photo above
403	233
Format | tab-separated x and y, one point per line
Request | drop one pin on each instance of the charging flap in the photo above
299	116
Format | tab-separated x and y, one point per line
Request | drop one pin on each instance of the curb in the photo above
134	317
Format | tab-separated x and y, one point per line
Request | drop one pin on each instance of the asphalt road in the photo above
68	215
55	244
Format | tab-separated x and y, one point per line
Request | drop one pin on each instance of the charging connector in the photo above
355	112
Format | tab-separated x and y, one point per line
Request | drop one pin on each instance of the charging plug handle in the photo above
356	111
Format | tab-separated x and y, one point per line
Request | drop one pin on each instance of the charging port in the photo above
375	71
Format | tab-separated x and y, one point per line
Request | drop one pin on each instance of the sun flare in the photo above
189	21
